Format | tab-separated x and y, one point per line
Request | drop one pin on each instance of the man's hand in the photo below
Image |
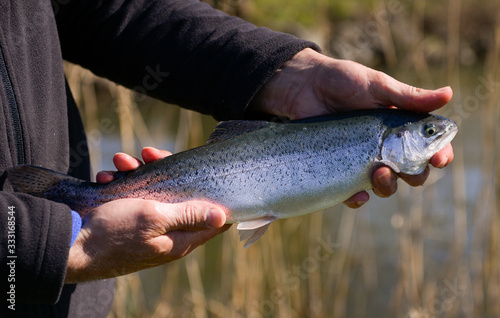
128	235
312	84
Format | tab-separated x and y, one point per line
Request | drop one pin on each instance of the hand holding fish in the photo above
312	84
149	233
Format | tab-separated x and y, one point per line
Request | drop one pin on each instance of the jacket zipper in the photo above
14	111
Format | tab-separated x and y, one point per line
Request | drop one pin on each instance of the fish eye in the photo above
430	130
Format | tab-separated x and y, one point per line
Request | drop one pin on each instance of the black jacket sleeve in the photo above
33	229
180	51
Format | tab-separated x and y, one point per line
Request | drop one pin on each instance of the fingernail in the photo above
358	204
443	163
215	218
355	203
442	89
385	179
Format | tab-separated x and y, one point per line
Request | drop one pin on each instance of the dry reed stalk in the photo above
275	251
453	34
140	127
495	205
171	291
89	97
254	282
137	293
162	310
490	173
119	307
315	286
458	263
129	287
417	37
196	286
125	118
386	38
82	84
292	283
228	254
190	130
408	295
367	250
73	75
397	292
162	120
484	258
416	249
131	121
239	272
222	310
369	264
400	221
342	267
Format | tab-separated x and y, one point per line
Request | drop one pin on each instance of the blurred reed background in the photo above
431	251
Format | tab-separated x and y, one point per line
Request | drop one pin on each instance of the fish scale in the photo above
261	171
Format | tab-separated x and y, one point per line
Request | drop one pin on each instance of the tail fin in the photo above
36	180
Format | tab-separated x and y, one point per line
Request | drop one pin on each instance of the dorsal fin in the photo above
232	128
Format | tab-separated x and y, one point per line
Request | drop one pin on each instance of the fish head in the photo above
410	146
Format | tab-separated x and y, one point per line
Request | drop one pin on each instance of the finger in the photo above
390	92
357	200
104	176
184	242
443	157
124	162
192	215
416	180
150	154
384	182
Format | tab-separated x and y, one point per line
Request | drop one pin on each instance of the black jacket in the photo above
179	51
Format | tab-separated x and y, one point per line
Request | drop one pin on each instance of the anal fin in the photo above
252	230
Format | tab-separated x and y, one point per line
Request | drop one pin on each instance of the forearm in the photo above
179	51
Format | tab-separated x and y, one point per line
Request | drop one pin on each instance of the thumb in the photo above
193	215
390	92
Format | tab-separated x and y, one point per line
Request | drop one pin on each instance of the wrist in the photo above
78	262
294	77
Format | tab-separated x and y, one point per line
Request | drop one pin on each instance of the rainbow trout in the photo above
261	171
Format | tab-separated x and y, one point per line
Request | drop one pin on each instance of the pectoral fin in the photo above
252	230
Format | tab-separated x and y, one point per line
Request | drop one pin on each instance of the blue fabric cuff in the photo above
77	226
